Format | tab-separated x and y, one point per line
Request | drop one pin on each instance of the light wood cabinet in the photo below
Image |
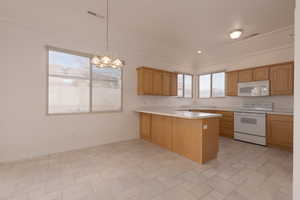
156	82
166	90
161	131
282	78
231	83
280	131
226	123
261	74
245	75
193	141
196	139
145	81
173	84
145	126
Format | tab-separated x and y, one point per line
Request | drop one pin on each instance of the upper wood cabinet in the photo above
166	90
173	84
261	74
231	83
145	81
280	131
156	82
246	75
282	79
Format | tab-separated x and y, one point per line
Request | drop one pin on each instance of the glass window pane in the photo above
69	83
68	95
64	64
188	86
218	84
204	86
106	89
180	85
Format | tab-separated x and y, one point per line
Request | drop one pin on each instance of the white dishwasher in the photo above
250	127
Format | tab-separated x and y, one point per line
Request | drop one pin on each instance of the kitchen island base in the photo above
196	139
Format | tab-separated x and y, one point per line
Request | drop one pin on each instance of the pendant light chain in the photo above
107	27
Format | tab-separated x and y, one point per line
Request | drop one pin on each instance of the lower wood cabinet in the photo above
196	139
145	126
226	123
280	131
161	131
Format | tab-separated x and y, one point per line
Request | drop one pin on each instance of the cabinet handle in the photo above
205	127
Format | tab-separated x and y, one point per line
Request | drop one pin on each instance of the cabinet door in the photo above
280	131
145	126
282	78
145	83
166	84
246	75
261	74
157	82
231	83
226	124
173	84
161	131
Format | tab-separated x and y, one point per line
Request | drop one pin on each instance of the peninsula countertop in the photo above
176	112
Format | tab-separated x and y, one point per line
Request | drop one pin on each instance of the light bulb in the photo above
95	60
236	34
106	60
117	62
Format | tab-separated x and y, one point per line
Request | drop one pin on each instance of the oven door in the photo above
250	123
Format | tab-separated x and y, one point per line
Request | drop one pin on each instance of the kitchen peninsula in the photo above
194	135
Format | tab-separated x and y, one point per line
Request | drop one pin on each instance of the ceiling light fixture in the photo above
106	60
199	52
236	34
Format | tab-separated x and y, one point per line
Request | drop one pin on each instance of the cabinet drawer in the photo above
286	118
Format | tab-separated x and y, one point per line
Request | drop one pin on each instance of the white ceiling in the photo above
177	26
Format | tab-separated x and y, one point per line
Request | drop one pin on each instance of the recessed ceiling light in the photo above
199	52
236	34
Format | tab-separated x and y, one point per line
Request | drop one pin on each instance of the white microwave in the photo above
254	89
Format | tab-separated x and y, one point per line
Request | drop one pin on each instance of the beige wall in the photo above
297	108
25	129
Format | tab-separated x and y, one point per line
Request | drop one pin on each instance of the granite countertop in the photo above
176	112
183	111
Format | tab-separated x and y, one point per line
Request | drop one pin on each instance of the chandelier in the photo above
107	60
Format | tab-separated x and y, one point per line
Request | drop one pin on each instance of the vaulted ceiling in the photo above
168	27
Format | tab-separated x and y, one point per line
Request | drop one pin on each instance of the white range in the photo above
250	123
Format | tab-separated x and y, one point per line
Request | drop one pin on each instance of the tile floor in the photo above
137	170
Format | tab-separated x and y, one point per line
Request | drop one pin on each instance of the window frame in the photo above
77	53
183	85
211	85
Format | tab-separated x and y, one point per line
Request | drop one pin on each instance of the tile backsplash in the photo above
282	103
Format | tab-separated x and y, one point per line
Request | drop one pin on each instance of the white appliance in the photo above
250	123
254	89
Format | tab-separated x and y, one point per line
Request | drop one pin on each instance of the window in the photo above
212	85
75	86
204	86
185	85
218	84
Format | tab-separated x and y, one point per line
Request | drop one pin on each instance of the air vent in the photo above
251	36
